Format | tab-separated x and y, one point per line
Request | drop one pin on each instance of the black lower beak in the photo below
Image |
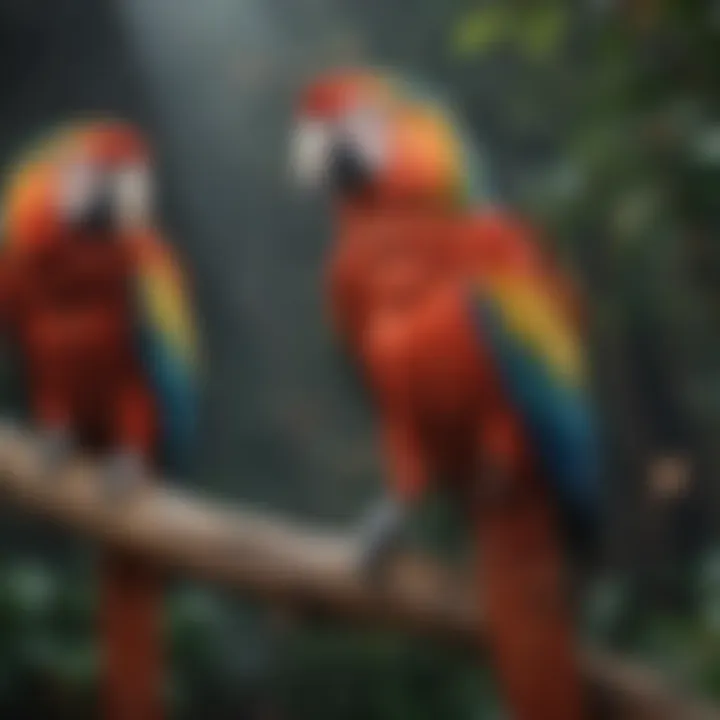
349	173
98	216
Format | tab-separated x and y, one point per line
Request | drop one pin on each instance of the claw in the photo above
55	447
380	538
123	474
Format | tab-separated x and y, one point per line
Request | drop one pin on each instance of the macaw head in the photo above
93	177
371	136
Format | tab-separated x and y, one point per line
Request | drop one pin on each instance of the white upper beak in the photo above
79	185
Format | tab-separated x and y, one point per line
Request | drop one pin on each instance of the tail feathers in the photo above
528	618
130	617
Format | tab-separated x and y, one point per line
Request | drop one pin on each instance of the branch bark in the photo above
287	564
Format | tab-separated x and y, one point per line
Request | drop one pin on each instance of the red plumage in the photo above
70	318
396	283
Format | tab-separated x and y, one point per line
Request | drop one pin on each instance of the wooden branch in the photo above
285	564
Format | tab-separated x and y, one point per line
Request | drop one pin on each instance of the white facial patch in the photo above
79	184
310	148
133	195
365	129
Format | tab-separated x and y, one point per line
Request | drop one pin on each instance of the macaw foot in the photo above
122	474
56	446
380	538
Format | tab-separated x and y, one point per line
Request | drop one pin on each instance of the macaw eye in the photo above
134	192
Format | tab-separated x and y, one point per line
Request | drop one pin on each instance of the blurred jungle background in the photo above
599	119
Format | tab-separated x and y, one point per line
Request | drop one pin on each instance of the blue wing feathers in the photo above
176	395
559	416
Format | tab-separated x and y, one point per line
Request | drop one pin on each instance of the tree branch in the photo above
284	563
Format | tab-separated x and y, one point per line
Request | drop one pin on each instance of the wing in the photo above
539	354
167	346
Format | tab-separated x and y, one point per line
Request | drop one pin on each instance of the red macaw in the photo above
95	301
469	339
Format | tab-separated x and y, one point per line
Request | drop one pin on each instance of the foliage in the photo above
234	658
685	646
329	674
47	657
223	656
534	30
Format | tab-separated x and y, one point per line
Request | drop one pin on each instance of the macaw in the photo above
95	301
470	341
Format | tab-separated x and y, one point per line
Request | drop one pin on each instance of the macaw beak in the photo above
321	157
86	200
107	200
349	172
98	216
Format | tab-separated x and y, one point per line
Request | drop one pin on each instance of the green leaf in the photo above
541	30
32	590
606	604
480	30
706	145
